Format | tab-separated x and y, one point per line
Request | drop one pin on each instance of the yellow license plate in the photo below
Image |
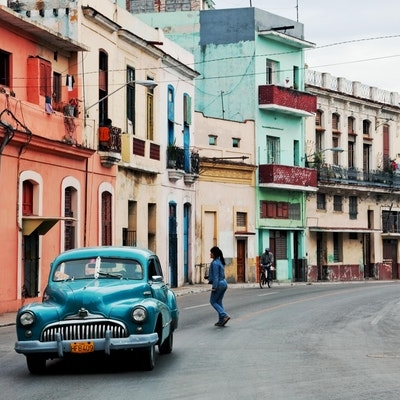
82	347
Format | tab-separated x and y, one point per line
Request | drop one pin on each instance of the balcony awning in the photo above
41	224
341	229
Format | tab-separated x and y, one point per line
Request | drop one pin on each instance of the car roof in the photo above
137	253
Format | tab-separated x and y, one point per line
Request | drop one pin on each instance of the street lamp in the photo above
147	83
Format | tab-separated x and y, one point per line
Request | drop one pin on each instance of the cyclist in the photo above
266	261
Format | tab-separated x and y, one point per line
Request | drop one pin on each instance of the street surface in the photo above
323	341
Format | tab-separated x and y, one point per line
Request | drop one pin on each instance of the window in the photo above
335	122
391	221
235	142
366	127
171	115
103	87
150	112
296	77
335	154
5	68
337	203
45	78
353	235
350	125
106	219
353	207
271	72
321	201
273	150
27	198
387	163
337	247
295	211
351	149
280	210
212	140
318	119
130	98
144	6
56	95
241	221
69	227
187	110
151	226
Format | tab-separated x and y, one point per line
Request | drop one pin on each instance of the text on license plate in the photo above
82	347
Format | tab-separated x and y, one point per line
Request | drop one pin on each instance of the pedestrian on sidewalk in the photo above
216	276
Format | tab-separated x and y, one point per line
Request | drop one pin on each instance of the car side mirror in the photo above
157	278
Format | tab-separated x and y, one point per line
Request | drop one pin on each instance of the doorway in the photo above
31	265
241	261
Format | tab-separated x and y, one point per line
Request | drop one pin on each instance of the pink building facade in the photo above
56	194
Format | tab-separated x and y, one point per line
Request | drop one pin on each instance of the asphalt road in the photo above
334	341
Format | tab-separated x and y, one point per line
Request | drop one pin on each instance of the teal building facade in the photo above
251	65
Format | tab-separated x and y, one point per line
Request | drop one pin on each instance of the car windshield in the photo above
98	268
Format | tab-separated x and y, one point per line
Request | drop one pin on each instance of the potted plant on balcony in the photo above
172	155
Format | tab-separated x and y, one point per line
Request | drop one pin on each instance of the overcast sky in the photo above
355	39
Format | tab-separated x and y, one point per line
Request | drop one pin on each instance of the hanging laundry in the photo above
70	82
48	107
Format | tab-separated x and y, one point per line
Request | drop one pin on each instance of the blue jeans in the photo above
216	299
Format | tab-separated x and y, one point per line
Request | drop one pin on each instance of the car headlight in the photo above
27	318
139	314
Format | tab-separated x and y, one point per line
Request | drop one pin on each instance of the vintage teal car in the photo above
100	300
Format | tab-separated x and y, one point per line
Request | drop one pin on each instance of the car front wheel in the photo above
166	346
36	364
148	358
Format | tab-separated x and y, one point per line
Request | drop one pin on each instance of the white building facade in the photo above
353	219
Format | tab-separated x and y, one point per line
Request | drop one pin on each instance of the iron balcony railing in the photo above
110	139
375	178
179	158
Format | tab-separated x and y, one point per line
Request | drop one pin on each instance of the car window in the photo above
98	268
154	267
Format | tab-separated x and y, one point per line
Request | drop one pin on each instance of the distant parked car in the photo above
100	300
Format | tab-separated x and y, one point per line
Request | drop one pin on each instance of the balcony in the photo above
286	100
334	174
181	163
287	177
109	145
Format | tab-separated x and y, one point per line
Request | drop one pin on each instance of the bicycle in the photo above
266	280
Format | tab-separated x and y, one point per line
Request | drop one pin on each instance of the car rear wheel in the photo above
149	358
166	346
36	364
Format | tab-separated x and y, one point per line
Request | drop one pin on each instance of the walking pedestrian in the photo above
216	276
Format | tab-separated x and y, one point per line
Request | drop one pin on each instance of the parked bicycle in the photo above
266	276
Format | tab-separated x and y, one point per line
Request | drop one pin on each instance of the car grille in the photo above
83	330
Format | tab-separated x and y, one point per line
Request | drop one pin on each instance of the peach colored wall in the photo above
46	154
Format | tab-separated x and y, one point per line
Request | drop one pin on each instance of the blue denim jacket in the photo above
216	273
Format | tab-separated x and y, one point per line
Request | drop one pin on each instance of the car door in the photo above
158	286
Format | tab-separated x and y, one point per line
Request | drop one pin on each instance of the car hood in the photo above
97	296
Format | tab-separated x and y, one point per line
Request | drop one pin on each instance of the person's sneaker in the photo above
218	324
225	320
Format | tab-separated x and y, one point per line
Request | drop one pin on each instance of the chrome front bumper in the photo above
106	344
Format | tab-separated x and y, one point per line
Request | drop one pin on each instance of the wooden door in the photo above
241	261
